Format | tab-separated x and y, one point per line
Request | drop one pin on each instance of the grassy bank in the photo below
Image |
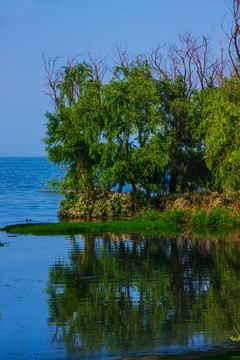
200	212
172	223
67	228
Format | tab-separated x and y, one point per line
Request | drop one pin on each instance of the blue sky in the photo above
29	28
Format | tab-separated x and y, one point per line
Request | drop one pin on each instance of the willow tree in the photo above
130	107
74	128
222	134
190	69
221	116
182	141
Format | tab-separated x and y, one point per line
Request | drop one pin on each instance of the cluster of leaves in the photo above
214	217
220	124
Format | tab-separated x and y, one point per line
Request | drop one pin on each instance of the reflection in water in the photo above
131	293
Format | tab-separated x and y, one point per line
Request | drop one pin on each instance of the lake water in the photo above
110	296
22	181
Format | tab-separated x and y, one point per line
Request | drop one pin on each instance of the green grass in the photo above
172	222
70	228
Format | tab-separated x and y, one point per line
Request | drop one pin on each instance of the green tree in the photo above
222	134
134	130
132	155
181	115
74	128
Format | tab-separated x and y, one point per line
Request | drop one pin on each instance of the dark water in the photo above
109	296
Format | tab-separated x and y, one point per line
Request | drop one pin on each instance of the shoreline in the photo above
171	225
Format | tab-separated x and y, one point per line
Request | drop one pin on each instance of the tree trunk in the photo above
120	188
173	181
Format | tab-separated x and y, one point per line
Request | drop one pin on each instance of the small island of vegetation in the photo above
156	138
166	129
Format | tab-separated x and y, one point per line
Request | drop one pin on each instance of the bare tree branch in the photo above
53	78
234	38
98	65
191	59
121	54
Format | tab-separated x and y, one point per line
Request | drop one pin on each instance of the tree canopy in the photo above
135	130
220	122
155	125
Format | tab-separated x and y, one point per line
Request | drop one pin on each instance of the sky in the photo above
30	28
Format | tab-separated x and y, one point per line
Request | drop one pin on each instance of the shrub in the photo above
177	216
151	215
217	216
199	218
104	205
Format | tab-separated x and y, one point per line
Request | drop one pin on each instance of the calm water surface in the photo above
109	296
21	183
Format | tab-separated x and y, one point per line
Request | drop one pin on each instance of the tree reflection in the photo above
131	291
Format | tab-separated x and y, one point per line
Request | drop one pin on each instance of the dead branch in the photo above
156	64
121	54
98	65
234	38
53	78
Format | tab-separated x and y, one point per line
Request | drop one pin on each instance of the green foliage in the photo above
215	217
177	216
70	228
155	135
181	117
132	154
199	218
235	339
134	130
55	184
148	214
222	134
74	127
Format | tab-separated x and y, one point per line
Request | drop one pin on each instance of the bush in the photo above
219	216
177	216
151	215
215	217
196	208
199	218
104	205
